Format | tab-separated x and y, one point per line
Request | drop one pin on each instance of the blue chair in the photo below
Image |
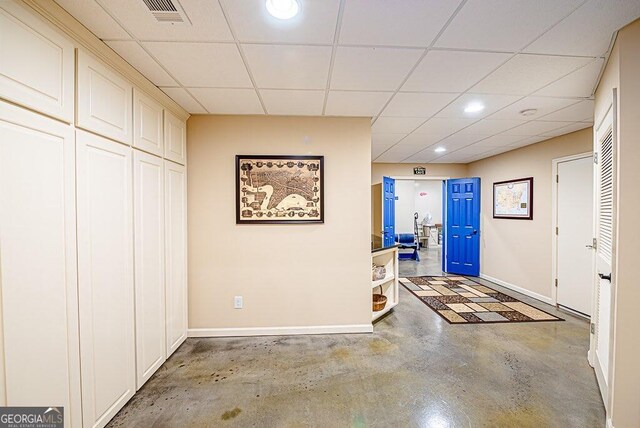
408	241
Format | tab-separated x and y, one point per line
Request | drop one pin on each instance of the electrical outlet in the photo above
237	302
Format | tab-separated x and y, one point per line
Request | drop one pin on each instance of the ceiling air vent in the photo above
167	11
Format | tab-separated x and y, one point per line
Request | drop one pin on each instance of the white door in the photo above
105	275
176	254
605	226
575	234
148	191
38	281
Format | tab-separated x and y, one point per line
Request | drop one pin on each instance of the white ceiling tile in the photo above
528	141
524	74
377	69
315	22
417	104
228	101
472	150
581	83
535	128
397	154
422	157
503	25
580	112
92	15
386	139
378	149
492	103
588	30
185	100
544	105
452	71
356	103
207	21
458	141
289	66
443	125
202	64
500	140
573	127
421	141
396	124
491	126
293	103
133	53
387	23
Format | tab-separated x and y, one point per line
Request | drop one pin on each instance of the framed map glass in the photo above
513	199
279	189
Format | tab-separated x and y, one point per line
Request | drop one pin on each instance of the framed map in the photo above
279	189
513	199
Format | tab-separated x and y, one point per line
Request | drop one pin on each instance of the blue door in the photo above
463	226
388	210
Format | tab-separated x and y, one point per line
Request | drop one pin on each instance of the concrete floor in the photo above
414	370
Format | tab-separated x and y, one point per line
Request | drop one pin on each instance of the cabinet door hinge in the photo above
556	282
557	178
556	230
593	328
595	158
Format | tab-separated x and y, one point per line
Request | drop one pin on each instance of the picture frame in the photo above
513	199
279	189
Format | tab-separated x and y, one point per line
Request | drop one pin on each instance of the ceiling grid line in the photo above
336	36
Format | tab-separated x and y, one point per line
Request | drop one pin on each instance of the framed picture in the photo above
279	189
513	199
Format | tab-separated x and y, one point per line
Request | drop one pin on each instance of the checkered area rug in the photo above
460	300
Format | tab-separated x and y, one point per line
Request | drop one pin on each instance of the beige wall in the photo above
623	72
289	275
518	252
452	170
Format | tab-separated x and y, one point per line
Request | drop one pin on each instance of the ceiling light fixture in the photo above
283	9
529	111
440	150
474	107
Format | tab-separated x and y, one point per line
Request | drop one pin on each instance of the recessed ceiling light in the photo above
529	112
440	150
474	107
283	9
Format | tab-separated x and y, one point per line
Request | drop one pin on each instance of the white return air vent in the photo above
167	11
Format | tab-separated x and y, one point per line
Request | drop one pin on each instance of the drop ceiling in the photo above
410	65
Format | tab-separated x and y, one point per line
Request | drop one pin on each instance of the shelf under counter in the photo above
387	257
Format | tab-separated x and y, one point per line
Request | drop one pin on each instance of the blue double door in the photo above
461	211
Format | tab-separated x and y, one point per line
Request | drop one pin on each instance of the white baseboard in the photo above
521	290
280	331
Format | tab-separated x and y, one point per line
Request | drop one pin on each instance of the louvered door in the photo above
605	228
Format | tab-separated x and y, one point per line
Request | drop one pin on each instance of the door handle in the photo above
475	232
603	276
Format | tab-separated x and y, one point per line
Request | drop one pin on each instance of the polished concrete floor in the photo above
415	370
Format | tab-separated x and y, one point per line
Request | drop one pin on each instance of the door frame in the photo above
444	207
611	111
554	221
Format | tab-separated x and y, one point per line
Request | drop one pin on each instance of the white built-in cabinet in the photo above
36	63
104	100
39	357
148	130
105	276
148	201
175	138
176	253
93	242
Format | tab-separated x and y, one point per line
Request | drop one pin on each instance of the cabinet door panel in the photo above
105	271
104	100
148	193
148	132
175	138
38	281
176	254
37	63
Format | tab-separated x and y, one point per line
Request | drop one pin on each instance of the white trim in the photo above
609	423
417	177
520	290
554	218
279	331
